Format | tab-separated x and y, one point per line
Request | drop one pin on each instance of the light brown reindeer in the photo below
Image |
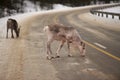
64	34
13	25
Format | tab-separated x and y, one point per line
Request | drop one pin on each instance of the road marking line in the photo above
105	52
100	45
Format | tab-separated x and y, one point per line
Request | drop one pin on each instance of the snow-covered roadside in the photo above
23	17
113	24
113	9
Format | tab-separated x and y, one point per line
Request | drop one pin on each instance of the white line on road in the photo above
99	45
103	51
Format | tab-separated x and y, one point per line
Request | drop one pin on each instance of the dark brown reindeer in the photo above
64	34
13	25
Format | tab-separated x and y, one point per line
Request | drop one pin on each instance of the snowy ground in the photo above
113	24
57	7
113	9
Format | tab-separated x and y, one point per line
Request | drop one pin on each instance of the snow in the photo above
113	24
31	7
113	9
57	8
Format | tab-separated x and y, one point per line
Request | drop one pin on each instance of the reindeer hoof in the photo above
57	57
49	58
69	55
82	55
52	57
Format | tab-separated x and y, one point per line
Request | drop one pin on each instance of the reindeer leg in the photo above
49	52
69	53
7	33
12	33
59	48
82	49
16	33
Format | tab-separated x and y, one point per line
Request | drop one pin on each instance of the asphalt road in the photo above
25	58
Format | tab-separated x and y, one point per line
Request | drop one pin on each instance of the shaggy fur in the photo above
64	34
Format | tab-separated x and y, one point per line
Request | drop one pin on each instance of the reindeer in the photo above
13	25
63	34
